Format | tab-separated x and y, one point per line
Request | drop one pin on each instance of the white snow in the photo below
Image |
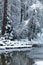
33	6
16	45
9	25
0	31
39	63
38	24
39	39
37	5
38	34
22	43
26	22
42	30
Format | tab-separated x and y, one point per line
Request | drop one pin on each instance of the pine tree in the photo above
9	31
33	29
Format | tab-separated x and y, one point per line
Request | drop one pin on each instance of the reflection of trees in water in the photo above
6	59
9	59
3	59
16	58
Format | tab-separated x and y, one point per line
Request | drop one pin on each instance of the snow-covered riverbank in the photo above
38	63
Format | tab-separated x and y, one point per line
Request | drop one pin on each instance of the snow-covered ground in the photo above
22	43
38	63
16	45
39	39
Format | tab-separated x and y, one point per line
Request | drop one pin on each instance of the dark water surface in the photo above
22	58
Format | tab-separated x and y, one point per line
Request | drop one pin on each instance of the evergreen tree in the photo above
9	31
33	29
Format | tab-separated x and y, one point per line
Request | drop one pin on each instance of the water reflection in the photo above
16	58
23	58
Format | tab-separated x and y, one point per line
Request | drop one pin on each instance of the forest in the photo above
21	19
21	32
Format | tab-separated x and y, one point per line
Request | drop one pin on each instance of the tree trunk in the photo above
21	11
4	17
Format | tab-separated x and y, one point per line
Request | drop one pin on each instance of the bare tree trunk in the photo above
4	17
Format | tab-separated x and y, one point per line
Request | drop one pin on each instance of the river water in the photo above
23	58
